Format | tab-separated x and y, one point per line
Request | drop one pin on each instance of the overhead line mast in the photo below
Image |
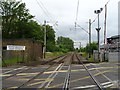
77	13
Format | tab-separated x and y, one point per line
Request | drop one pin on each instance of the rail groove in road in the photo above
63	74
61	59
24	68
67	79
94	79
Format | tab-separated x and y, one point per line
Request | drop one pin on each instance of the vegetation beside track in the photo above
91	59
53	54
13	61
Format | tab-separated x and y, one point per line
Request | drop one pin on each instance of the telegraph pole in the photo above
105	30
89	31
44	48
89	34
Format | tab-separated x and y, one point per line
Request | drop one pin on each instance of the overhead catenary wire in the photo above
41	5
82	28
37	20
42	8
47	11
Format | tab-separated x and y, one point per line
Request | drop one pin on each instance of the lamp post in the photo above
98	31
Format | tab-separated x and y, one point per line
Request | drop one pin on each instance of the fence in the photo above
114	57
107	56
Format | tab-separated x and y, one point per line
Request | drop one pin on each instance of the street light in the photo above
98	31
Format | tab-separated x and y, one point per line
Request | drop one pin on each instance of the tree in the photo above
65	43
17	23
50	37
90	47
14	19
34	31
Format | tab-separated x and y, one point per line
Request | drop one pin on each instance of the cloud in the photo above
64	11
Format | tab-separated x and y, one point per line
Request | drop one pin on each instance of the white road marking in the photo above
81	87
106	84
50	76
105	76
14	70
53	77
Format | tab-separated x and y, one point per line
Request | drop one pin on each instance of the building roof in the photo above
116	36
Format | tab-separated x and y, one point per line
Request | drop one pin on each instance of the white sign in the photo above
14	47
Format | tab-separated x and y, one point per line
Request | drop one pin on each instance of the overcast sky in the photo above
64	11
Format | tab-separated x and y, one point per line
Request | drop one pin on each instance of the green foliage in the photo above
17	23
50	37
53	54
85	55
82	50
65	44
90	47
15	18
11	61
35	31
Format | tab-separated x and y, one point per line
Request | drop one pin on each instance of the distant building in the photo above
113	44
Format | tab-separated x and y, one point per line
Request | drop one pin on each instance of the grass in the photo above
91	59
12	61
53	54
85	55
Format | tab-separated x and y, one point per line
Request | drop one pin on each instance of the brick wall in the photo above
33	49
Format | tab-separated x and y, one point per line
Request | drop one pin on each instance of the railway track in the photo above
16	71
91	75
61	58
66	85
95	78
59	74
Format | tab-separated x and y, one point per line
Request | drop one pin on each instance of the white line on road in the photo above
106	76
50	76
106	84
14	69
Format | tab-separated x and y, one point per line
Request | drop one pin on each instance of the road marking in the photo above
105	76
74	80
5	75
28	79
81	87
113	87
47	80
105	83
14	69
54	86
52	75
108	85
12	87
49	72
90	86
104	72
